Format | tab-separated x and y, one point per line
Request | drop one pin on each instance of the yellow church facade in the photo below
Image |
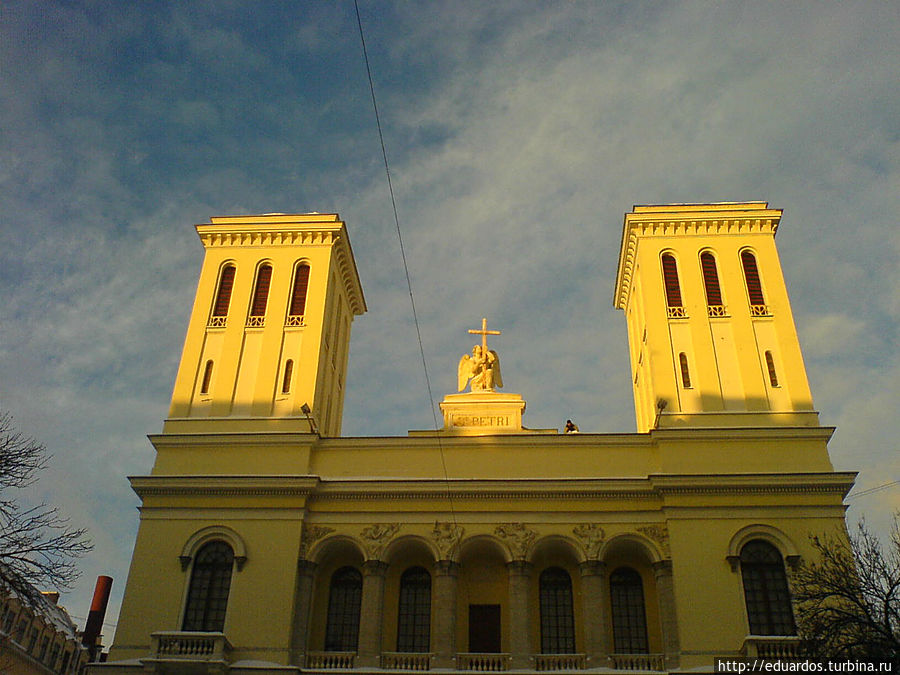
268	543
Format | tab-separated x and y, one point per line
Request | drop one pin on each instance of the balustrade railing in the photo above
545	662
676	312
295	320
773	647
256	321
655	662
716	310
482	662
190	646
760	310
216	322
329	660
406	660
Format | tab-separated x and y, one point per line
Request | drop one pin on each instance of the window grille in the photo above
261	292
670	276
298	294
557	616
223	294
711	279
629	619
751	276
344	600
766	593
209	588
414	620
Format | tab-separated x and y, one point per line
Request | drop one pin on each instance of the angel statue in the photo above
482	368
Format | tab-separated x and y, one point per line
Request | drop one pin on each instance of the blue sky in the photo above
518	134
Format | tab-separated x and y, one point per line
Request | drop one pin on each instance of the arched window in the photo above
288	373
629	620
770	364
673	289
414	620
208	591
711	284
223	296
685	372
344	598
766	592
298	295
261	291
207	376
751	276
557	616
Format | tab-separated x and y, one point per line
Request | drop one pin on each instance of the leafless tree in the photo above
38	547
848	600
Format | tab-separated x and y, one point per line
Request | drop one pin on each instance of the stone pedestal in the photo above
483	412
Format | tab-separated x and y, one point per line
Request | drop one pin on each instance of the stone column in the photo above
302	608
594	591
665	589
519	613
371	614
443	595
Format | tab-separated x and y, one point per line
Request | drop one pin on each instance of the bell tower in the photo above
269	335
711	334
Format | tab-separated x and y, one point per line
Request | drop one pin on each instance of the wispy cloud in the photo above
518	134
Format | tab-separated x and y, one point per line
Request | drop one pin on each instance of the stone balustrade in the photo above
483	662
406	660
653	662
772	647
545	662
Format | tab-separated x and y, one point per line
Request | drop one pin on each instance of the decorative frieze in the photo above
447	537
517	536
312	534
376	537
591	536
659	533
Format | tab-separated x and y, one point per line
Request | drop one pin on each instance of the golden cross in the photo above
484	332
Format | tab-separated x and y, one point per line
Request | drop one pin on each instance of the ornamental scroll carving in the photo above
517	536
312	534
591	536
659	534
447	537
377	536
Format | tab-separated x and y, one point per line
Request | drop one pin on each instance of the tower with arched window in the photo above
269	544
710	328
270	328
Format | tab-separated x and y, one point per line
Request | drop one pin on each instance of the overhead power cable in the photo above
412	300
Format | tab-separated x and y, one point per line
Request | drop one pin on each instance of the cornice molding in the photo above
325	230
652	488
687	220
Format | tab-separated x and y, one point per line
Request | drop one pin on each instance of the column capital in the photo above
448	568
592	568
662	568
306	567
374	568
519	567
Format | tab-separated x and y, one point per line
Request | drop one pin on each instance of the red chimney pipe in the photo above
95	617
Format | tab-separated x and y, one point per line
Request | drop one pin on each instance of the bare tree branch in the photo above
848	599
38	547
